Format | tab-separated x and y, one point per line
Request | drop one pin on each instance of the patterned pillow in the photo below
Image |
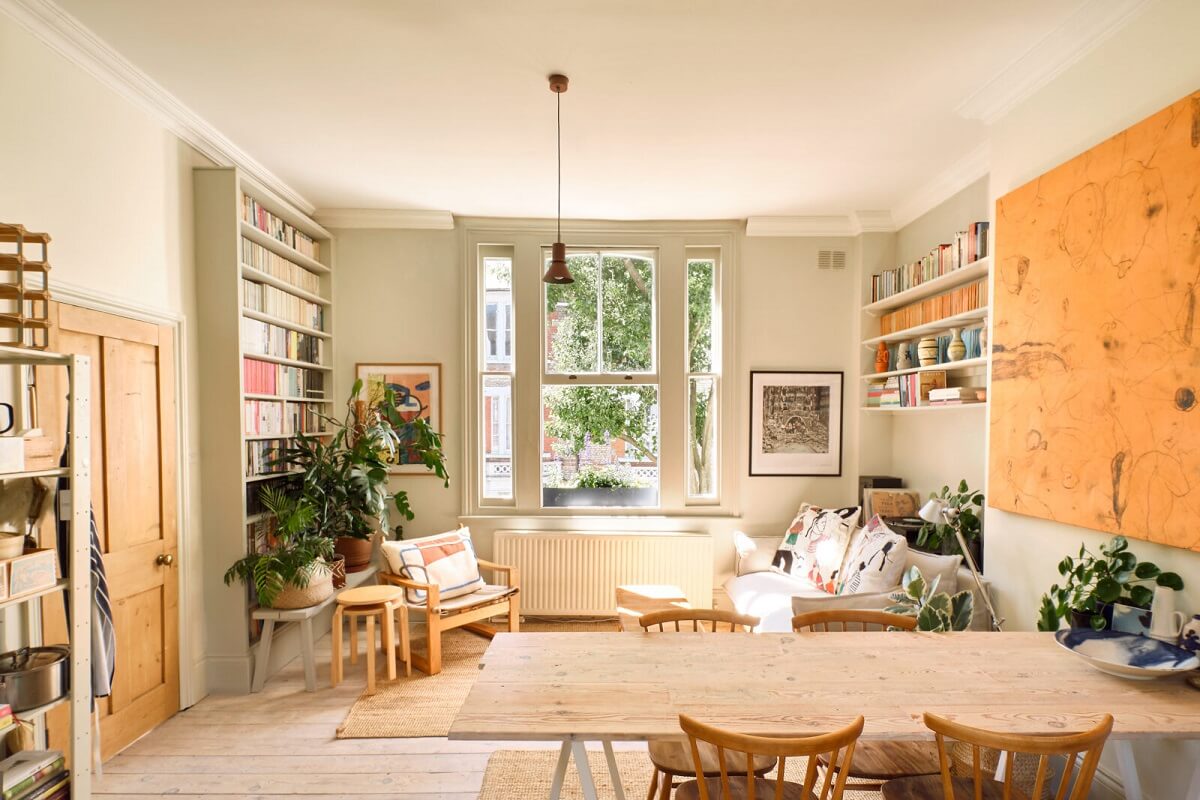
447	559
815	544
875	560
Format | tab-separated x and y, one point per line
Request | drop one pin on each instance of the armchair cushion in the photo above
446	559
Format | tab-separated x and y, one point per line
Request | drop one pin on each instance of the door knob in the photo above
164	559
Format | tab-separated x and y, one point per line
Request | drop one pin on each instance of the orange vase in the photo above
882	358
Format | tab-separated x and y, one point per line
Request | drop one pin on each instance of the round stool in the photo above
370	602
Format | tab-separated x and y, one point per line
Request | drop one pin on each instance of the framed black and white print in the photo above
795	423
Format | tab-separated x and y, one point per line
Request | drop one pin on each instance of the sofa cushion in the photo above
944	568
446	559
753	554
874	561
815	545
768	596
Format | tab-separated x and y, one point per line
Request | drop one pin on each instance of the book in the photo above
21	772
967	247
51	788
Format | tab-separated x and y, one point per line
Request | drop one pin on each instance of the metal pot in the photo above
33	676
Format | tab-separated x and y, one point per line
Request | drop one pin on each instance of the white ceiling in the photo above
678	109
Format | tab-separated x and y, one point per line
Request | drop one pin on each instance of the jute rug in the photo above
425	705
522	774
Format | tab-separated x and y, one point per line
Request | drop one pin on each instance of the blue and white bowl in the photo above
1127	655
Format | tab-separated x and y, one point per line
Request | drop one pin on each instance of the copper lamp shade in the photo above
558	272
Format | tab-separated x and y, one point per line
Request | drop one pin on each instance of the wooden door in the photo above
134	500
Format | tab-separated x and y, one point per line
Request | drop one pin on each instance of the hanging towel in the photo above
104	637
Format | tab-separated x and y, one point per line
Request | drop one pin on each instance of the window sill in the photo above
607	516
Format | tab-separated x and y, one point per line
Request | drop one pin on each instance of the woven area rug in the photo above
522	774
425	705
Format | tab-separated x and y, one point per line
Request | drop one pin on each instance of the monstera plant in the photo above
934	610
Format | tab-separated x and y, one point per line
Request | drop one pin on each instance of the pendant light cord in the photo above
558	136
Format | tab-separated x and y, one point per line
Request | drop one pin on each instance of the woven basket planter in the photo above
319	588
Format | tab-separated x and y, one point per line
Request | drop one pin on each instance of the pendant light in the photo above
558	272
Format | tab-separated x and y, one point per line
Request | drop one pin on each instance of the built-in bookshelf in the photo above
943	293
265	295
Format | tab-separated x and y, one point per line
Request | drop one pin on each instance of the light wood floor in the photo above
281	742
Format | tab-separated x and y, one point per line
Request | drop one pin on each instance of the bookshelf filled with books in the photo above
926	325
266	360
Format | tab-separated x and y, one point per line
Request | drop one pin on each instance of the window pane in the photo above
600	446
700	315
498	317
702	437
497	436
627	300
571	317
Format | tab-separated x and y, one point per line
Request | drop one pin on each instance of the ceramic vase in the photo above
983	337
904	361
927	351
1189	637
957	349
882	357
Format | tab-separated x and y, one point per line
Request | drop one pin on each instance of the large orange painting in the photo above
1095	345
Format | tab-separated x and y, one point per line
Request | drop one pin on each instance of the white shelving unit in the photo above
968	371
223	257
79	583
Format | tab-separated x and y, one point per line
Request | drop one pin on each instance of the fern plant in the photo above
299	552
934	610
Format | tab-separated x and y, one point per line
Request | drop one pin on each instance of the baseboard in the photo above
228	674
1107	786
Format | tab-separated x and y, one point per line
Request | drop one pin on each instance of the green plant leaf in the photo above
1146	570
1141	596
1107	590
1048	616
1170	580
962	609
1098	622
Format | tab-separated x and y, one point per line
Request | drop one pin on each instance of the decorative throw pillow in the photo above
815	544
875	561
944	568
447	559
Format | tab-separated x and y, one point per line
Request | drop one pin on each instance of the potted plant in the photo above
600	486
934	610
345	477
294	572
967	505
1093	583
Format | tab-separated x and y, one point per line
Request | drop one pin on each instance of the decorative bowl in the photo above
1127	655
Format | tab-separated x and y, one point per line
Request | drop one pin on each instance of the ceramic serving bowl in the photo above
1127	655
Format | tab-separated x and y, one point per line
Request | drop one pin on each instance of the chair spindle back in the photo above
852	620
694	619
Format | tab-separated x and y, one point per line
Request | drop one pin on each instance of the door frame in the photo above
189	576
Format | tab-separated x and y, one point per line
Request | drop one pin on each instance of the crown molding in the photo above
829	225
1083	31
69	38
400	218
958	176
873	222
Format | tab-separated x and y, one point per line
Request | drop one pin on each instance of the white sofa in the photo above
774	597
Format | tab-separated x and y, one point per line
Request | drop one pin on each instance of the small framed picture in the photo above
418	390
795	423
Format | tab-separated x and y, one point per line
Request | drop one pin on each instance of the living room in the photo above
662	318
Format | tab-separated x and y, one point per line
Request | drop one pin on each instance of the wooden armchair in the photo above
466	611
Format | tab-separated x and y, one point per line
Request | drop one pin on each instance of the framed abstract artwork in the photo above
795	423
418	390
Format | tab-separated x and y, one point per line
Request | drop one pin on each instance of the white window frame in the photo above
672	243
713	254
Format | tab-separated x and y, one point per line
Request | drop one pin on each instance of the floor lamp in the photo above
939	512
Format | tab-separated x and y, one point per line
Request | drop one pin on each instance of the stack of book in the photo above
278	303
908	391
968	247
265	339
277	229
954	396
34	775
875	391
263	377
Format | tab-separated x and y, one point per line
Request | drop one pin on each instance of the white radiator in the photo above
577	573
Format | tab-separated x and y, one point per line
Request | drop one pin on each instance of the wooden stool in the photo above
371	602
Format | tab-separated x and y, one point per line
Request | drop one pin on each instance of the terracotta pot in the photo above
882	357
338	566
320	587
357	552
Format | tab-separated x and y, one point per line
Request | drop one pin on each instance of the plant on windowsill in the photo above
600	486
1094	583
940	538
345	478
935	611
294	571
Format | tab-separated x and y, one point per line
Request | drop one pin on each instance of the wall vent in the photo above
831	259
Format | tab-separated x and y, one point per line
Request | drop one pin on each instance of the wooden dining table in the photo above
604	687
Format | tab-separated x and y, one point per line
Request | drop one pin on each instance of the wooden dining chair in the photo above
837	747
697	619
1082	749
672	760
875	762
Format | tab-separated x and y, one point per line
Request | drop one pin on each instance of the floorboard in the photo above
280	743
